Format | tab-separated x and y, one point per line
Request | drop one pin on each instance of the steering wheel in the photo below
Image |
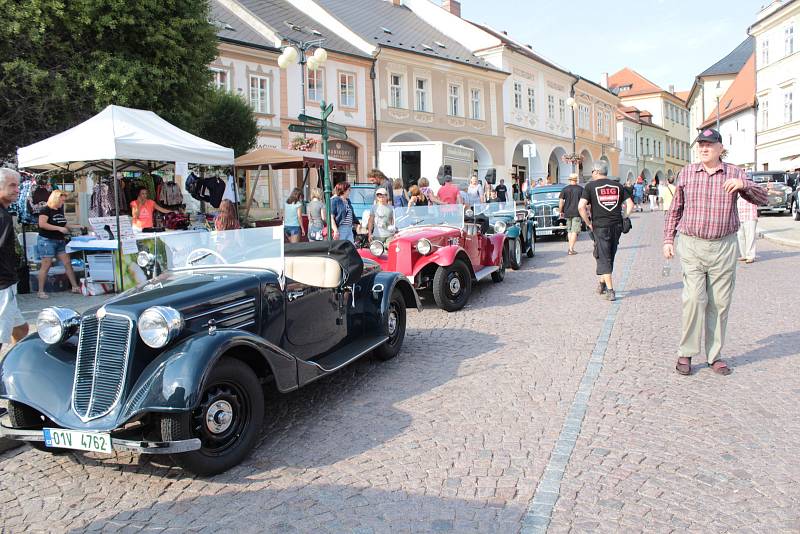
204	253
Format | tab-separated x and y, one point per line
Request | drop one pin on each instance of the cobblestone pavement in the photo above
456	433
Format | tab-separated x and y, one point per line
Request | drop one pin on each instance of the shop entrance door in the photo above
410	167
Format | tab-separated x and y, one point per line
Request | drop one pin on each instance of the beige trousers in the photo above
747	239
709	276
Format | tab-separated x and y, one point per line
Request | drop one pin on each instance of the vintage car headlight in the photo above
424	247
159	325
377	248
144	258
499	227
56	325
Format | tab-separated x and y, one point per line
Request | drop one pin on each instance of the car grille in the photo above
100	369
543	215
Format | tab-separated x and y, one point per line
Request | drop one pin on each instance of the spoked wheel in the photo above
515	253
452	286
500	274
227	421
395	328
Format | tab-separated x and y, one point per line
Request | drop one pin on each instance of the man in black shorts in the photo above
606	198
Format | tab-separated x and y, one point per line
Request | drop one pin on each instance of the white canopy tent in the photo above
130	136
120	138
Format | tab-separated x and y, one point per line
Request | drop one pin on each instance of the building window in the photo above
641	146
562	110
454	100
765	52
600	123
607	125
347	90
788	39
517	95
669	147
551	107
396	91
531	100
259	94
647	144
584	121
421	95
475	104
220	79
765	115
787	107
316	89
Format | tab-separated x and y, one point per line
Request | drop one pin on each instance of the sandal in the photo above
684	366
42	295
76	290
721	368
571	252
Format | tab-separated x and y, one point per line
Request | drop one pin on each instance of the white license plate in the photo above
78	440
545	232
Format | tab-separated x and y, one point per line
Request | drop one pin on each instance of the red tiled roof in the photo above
630	113
639	84
683	95
739	96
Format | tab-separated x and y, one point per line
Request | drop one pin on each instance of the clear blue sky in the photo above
667	41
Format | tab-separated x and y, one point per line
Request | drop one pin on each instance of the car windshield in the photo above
764	178
445	214
545	196
492	208
248	247
362	195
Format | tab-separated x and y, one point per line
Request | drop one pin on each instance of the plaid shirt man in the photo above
701	207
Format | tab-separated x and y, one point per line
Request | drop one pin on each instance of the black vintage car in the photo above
179	365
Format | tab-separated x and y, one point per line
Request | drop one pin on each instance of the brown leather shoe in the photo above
684	366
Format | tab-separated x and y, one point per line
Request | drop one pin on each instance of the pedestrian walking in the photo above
703	212
381	224
379	180
50	243
667	192
628	187
448	193
343	217
606	199
748	220
293	216
568	202
638	193
12	324
652	194
316	215
501	190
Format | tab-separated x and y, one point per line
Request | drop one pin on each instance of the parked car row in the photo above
782	195
179	365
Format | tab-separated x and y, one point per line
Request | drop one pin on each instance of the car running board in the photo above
486	271
352	351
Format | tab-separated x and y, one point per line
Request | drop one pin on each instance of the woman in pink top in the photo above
142	210
748	219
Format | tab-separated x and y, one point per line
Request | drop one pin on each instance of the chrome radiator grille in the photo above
100	369
544	216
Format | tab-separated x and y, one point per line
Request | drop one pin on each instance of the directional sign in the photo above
326	110
338	128
312	121
337	135
302	128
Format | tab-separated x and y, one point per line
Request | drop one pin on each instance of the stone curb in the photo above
782	240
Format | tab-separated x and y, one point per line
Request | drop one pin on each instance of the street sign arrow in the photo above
302	128
335	134
308	119
326	110
333	127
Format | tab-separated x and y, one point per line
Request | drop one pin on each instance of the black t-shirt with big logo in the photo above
606	198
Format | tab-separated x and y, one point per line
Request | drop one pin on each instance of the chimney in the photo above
604	80
397	2
453	6
672	89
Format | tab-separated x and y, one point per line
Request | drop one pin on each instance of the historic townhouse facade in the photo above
669	112
428	86
715	80
641	145
595	127
777	63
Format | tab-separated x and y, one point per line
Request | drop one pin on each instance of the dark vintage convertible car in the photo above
179	365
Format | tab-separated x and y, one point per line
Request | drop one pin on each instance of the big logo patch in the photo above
608	196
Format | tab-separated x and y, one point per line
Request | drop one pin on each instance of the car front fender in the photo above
442	256
513	232
174	381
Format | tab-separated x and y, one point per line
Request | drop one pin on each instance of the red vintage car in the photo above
438	247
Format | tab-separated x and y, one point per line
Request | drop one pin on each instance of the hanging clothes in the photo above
230	191
170	195
101	203
37	198
25	216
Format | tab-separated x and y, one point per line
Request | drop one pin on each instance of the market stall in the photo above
121	139
274	159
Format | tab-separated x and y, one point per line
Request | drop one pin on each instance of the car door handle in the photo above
294	295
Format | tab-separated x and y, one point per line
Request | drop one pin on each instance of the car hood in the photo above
415	233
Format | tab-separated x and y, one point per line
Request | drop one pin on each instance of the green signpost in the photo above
325	129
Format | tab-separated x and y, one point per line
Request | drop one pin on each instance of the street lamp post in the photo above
296	51
718	94
573	105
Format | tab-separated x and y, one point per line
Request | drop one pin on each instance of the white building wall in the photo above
738	138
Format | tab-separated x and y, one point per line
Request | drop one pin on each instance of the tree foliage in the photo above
228	121
62	61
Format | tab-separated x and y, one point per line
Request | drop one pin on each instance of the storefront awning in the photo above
282	158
